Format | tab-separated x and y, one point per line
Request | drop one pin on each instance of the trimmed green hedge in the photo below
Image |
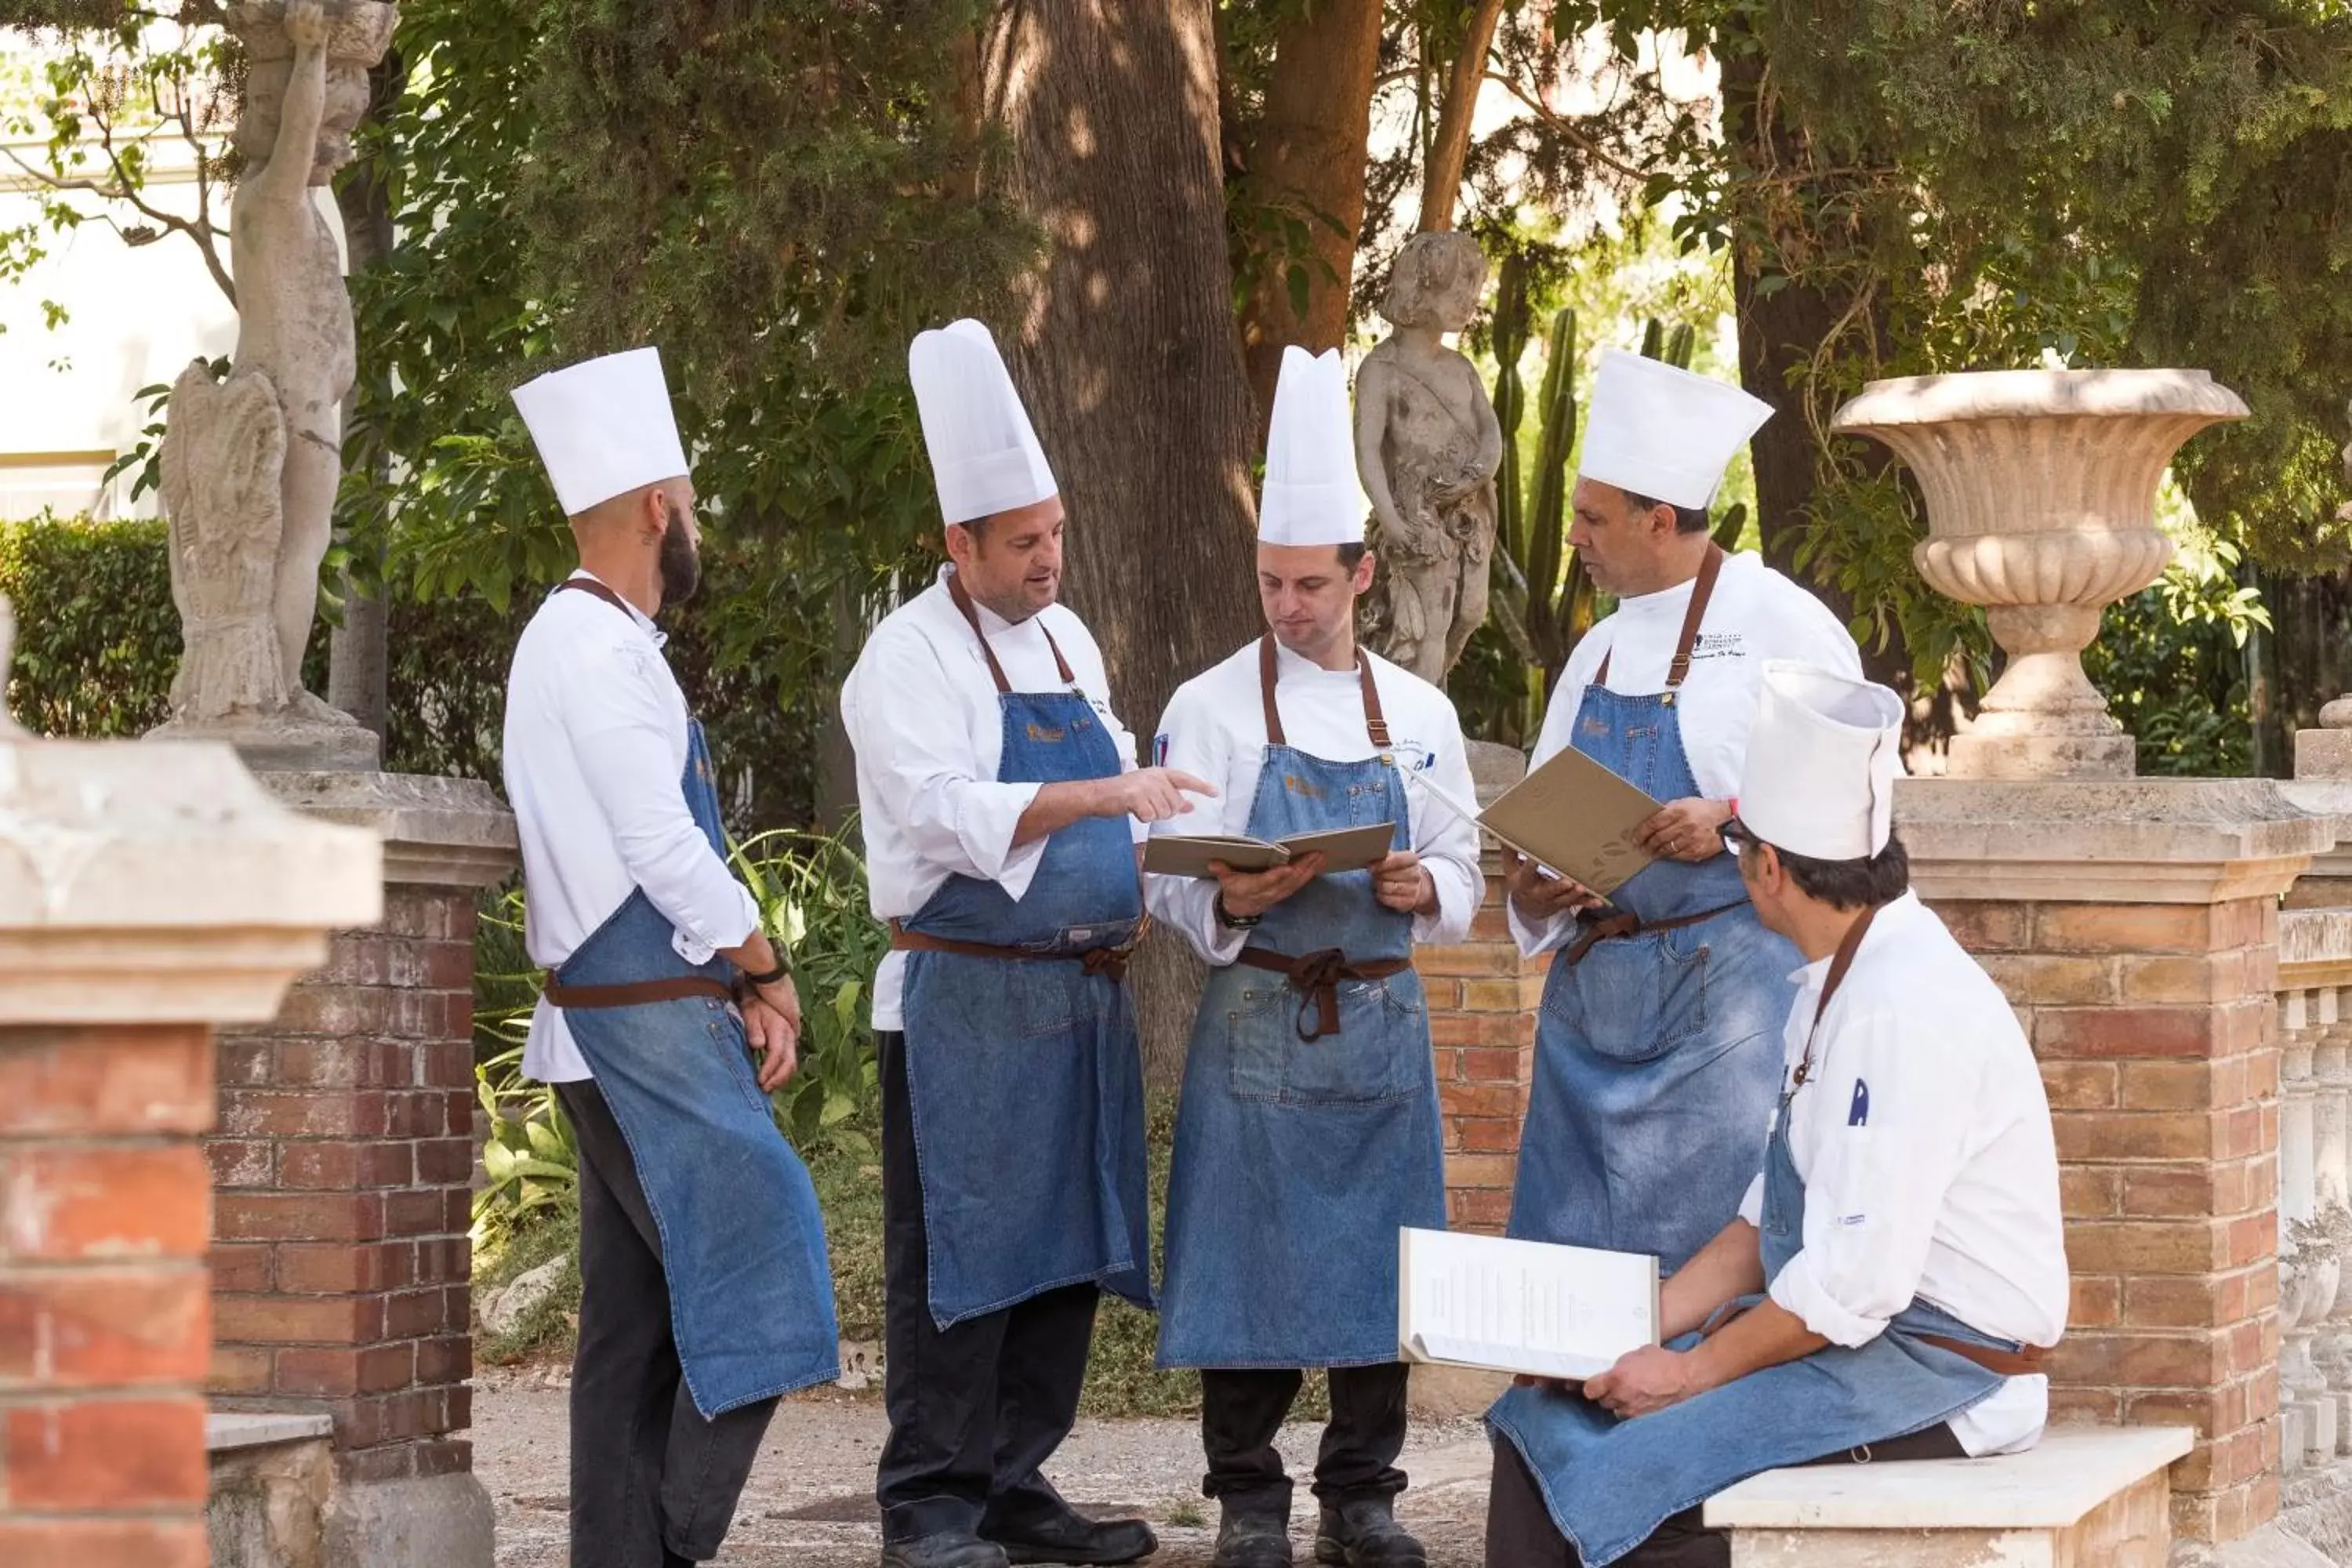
98	640
96	637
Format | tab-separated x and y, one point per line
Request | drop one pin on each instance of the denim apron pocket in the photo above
1635	998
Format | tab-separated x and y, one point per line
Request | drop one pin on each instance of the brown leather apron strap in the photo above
1710	567
1110	961
2024	1362
1004	688
595	589
1624	922
1376	723
1318	975
634	992
1840	962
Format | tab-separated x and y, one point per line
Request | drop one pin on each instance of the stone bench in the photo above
2083	1497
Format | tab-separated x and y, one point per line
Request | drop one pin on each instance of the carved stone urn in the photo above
2041	489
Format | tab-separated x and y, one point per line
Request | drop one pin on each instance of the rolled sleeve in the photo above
1799	1291
1448	846
621	729
1195	743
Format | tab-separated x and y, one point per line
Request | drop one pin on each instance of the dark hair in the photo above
1687	519
1843	884
977	527
1350	555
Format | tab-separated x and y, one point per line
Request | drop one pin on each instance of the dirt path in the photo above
811	1500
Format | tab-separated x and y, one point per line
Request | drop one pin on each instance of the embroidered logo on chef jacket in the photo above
1719	645
1412	756
1857	1111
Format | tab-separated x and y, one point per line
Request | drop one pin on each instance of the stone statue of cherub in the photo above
1427	447
251	465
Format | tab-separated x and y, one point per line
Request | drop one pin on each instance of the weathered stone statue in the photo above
1427	446
251	465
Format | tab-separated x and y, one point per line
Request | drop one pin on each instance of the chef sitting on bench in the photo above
1904	1230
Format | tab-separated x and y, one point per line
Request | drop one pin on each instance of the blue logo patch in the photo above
1160	750
1858	1112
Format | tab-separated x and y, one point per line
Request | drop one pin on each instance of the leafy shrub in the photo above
2170	659
96	637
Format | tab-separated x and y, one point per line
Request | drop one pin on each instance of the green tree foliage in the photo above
97	636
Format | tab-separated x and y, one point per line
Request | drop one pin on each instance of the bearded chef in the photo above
1308	1131
1000	800
1654	1057
1904	1231
704	1289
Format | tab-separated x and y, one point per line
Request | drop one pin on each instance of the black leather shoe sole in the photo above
1124	1540
1400	1556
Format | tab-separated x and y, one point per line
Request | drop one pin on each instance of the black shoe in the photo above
1071	1536
1247	1539
948	1549
1364	1534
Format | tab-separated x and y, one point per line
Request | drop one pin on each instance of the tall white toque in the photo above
604	427
1665	433
1312	494
984	456
1823	758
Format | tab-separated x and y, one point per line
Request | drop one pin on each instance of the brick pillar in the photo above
146	892
2135	927
344	1159
1483	998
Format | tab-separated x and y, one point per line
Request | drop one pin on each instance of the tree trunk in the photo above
1127	358
1449	149
1309	156
359	647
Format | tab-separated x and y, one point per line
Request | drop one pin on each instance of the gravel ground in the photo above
809	1503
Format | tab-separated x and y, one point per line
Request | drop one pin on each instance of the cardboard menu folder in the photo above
1571	815
1342	849
1521	1306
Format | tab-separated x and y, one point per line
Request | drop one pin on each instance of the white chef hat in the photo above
984	456
1312	494
1823	758
604	427
1665	433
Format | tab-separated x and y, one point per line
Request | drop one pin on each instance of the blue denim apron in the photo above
1025	1078
1656	1053
750	1290
1608	1483
1297	1159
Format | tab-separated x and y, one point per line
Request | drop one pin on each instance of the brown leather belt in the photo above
1624	922
1318	974
1110	961
634	992
2024	1362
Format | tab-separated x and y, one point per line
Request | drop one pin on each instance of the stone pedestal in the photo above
147	892
342	1263
2134	925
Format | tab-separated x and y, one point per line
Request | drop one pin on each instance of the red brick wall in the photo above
344	1161
1482	1020
2155	1025
103	1309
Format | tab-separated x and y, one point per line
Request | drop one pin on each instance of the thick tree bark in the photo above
1309	153
1441	185
1126	356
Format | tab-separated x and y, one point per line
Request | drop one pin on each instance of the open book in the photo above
1342	849
1522	1306
1571	815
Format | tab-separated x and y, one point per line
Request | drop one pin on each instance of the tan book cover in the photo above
1570	815
1343	849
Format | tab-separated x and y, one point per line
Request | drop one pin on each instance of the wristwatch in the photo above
1231	921
783	971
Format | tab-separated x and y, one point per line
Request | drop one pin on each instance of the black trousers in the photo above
1240	1412
654	1484
1520	1530
975	1410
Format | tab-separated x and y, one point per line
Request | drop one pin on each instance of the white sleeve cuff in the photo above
987	817
1536	940
1457	904
1795	1289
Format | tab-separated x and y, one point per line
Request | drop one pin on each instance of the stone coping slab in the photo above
228	1430
2050	1487
436	831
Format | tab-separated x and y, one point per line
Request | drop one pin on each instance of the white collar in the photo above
645	622
1287	664
991	623
1892	917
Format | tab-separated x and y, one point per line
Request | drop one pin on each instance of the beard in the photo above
681	567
